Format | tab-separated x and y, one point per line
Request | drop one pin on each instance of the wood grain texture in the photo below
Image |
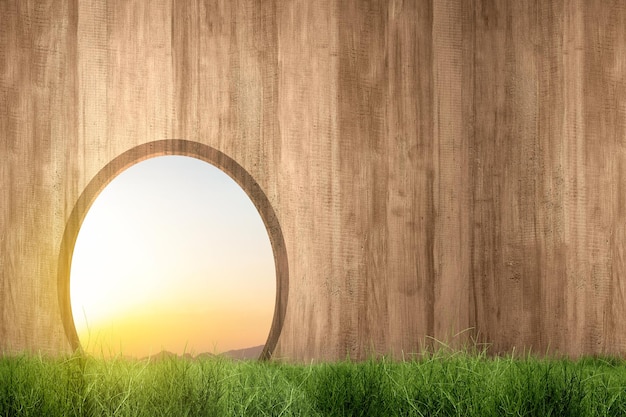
439	170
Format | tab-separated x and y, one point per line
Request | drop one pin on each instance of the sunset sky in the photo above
172	255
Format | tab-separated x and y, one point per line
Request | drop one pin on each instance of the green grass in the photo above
440	384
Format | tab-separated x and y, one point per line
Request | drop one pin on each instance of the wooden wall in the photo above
450	170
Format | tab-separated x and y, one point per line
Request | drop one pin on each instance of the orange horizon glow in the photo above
172	256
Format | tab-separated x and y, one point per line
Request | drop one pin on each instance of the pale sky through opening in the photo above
172	255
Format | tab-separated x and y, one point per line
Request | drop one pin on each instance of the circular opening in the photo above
153	266
172	256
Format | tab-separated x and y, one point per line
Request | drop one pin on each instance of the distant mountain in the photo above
251	353
162	355
205	355
166	355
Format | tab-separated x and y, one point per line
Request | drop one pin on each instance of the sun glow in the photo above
172	256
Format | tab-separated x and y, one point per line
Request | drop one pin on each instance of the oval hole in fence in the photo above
173	257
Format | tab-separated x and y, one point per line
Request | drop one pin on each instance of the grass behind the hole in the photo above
441	384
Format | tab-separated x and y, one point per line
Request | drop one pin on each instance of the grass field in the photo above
440	384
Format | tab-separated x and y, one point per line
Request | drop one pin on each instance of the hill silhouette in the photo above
250	353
